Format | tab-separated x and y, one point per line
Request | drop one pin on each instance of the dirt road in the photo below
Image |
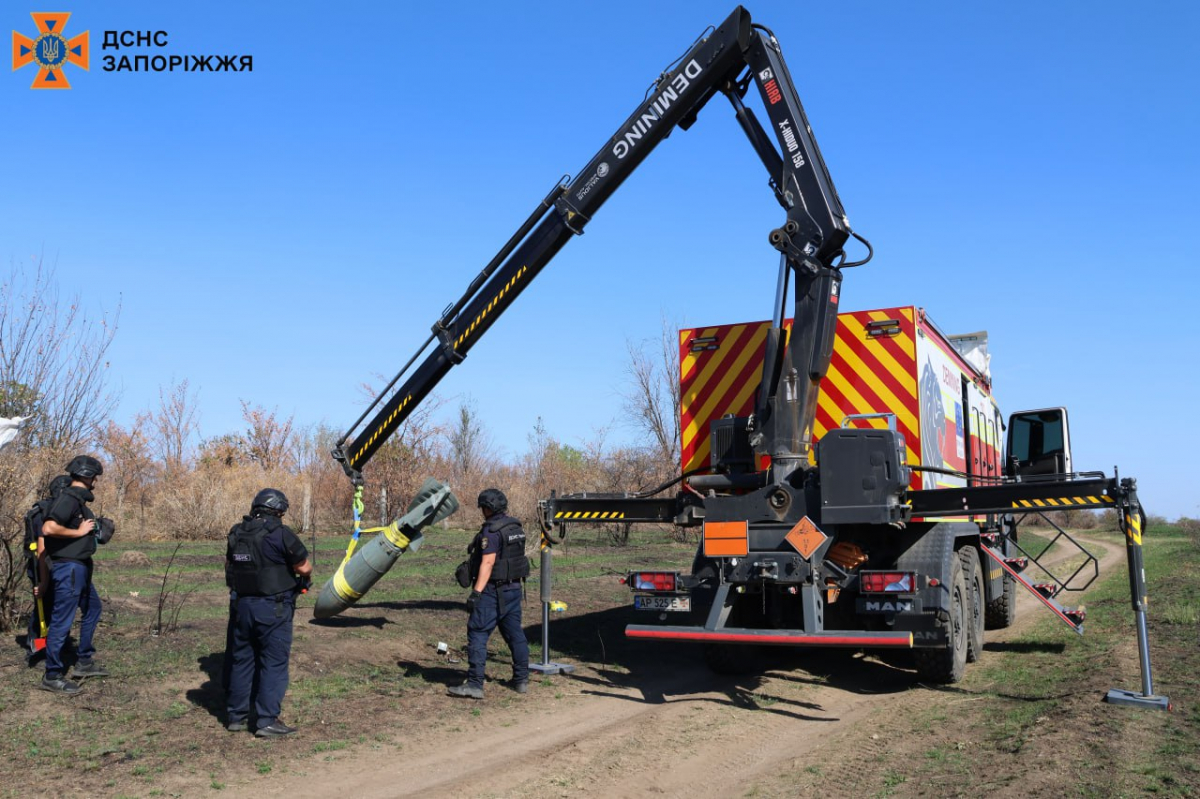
668	728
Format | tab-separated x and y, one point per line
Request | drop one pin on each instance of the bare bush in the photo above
24	475
171	599
53	364
268	438
129	474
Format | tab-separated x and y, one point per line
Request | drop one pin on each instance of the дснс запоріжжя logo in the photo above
51	51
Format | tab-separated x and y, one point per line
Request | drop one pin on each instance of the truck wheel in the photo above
1001	612
946	664
973	574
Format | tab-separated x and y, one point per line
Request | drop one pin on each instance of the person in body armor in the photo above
38	571
498	565
69	538
266	565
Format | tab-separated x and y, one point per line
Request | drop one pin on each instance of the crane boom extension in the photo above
810	240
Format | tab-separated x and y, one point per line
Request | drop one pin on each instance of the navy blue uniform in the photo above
71	581
259	642
500	605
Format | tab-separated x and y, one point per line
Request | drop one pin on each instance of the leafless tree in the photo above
53	363
268	438
470	445
131	469
651	400
175	425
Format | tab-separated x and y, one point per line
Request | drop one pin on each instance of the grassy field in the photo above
153	728
1027	720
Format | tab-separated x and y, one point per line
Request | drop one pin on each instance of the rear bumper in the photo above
854	639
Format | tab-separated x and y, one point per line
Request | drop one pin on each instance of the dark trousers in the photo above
261	643
73	590
497	608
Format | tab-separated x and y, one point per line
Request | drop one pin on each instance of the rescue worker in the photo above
39	576
498	565
266	565
69	537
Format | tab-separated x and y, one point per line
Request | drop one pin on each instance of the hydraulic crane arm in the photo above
726	61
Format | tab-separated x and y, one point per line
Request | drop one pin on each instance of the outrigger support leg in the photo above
1131	521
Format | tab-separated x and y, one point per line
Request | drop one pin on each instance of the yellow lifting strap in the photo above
394	535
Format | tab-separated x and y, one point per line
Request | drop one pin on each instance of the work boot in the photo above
88	668
466	691
237	726
276	729
520	686
56	684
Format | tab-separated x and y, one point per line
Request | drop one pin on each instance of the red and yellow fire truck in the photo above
848	472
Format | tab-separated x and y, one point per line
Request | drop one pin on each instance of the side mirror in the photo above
1039	443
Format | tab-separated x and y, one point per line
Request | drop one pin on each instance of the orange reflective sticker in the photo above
726	539
805	538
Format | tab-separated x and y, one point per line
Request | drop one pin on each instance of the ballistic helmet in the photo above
493	500
84	466
57	485
270	500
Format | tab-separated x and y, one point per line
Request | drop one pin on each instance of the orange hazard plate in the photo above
726	539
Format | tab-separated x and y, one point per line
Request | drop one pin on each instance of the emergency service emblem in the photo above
51	50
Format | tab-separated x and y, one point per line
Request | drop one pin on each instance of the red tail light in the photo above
887	582
652	581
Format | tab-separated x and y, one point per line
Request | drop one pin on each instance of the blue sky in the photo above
284	235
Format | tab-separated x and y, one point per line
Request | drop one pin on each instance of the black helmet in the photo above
270	500
57	485
84	466
493	500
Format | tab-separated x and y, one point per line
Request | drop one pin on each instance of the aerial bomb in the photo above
360	571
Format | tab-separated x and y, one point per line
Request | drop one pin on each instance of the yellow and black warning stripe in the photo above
384	425
488	308
1133	527
1062	502
583	514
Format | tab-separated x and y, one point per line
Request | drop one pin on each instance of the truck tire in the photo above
946	664
1001	612
973	574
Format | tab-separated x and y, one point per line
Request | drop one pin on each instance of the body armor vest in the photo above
247	571
511	564
81	548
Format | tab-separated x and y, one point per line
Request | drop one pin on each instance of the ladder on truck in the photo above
1034	573
1089	490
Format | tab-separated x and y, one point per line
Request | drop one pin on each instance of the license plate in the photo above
663	603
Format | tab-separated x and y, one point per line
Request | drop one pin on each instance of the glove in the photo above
471	600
